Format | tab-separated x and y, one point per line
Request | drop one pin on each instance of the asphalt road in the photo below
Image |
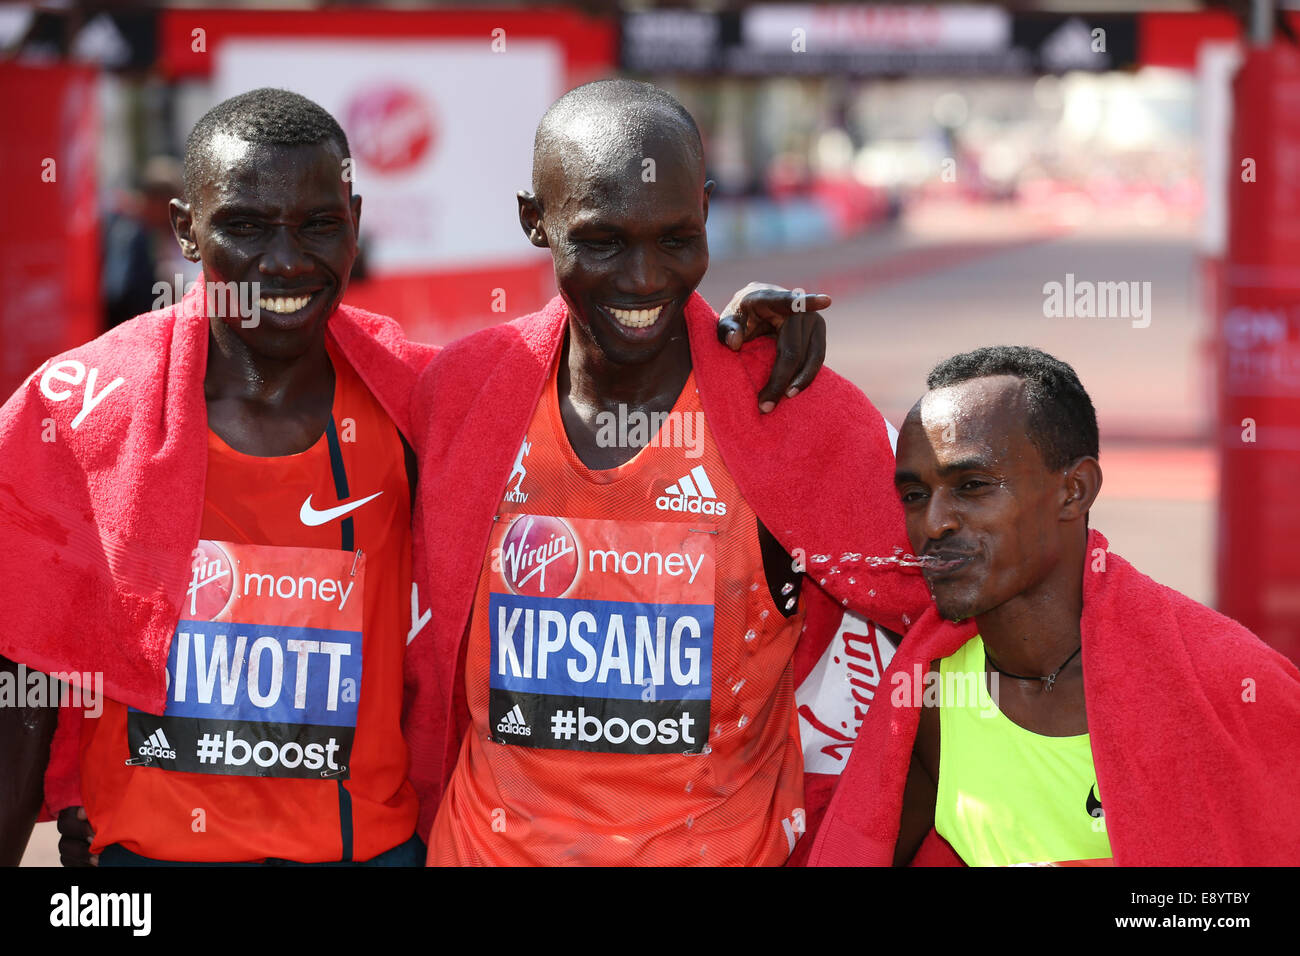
949	278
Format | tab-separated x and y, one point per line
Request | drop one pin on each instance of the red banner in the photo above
187	38
49	243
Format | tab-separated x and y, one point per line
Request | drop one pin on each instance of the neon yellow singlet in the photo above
1008	796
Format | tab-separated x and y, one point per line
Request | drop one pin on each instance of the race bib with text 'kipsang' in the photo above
264	670
601	634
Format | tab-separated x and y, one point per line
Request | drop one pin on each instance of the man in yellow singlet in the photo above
1056	706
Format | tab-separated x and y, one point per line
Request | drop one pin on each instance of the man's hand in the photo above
75	838
800	330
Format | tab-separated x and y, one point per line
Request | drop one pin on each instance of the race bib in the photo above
601	634
264	671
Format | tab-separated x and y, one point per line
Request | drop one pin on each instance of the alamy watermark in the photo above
78	908
225	300
633	428
1085	299
953	688
31	689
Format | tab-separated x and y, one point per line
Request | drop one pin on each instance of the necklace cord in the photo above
1050	679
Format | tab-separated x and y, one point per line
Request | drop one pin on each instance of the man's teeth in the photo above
284	306
637	318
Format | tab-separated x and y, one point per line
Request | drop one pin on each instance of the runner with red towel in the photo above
1055	706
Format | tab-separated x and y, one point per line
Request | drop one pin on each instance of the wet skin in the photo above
1008	538
620	242
283	217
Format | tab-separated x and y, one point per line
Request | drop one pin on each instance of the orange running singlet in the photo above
628	674
281	735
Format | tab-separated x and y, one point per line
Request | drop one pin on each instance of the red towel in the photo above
1194	734
818	471
102	469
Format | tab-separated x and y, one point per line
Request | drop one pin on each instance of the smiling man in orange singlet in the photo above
259	469
635	623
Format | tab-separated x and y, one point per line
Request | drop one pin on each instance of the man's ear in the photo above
1082	485
530	217
356	214
708	191
183	228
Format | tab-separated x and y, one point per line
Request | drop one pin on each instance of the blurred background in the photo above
935	167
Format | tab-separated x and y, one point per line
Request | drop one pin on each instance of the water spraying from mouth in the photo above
898	560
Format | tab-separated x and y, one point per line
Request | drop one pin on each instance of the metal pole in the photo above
1261	22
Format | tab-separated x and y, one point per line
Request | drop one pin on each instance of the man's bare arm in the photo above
25	735
921	790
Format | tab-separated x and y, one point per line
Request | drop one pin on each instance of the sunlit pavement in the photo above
43	847
953	277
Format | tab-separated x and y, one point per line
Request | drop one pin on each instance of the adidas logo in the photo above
513	723
693	493
157	746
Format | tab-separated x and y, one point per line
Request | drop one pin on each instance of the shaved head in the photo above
604	125
261	117
621	199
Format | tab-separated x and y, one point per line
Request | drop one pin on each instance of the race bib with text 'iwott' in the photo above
264	670
601	634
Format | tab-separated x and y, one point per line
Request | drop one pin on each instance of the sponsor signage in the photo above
871	40
601	635
264	670
437	148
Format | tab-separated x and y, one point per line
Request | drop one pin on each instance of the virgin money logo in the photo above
391	128
211	582
539	556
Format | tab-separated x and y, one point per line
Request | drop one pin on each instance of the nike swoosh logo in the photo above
311	517
1092	804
